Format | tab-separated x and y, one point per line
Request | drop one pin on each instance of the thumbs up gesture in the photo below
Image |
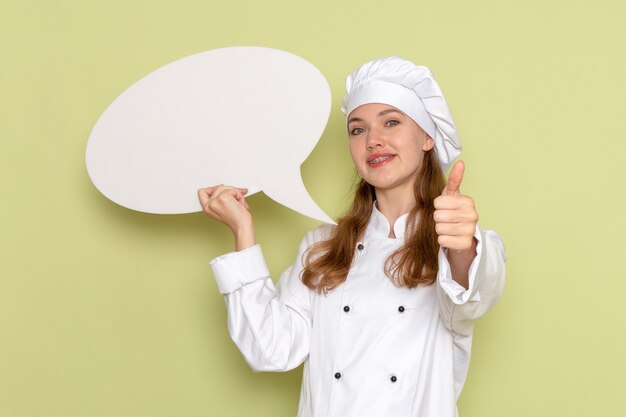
455	215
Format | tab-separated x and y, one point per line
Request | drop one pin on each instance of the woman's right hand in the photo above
228	205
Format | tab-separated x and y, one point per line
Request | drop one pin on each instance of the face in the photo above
387	146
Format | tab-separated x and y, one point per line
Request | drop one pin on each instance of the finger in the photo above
455	229
215	198
455	243
240	196
208	190
212	192
446	216
443	229
218	190
210	196
454	179
455	216
224	193
205	193
453	202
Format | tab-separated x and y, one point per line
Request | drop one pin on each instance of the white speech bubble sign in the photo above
245	116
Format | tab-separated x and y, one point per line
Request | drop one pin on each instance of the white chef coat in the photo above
370	348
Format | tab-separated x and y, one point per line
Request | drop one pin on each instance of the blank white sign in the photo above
244	116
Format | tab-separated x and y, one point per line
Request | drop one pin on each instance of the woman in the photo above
380	308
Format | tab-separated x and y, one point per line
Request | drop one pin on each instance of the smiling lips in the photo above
379	159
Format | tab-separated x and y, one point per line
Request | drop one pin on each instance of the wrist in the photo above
460	254
244	238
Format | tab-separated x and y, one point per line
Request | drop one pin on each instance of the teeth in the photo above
379	159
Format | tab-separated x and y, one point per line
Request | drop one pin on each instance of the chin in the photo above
381	180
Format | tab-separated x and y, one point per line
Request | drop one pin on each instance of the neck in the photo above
393	203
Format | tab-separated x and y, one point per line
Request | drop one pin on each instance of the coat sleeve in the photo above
270	325
460	307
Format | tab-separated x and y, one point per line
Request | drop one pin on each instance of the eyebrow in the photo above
382	113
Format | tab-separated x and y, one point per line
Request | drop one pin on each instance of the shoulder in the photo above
319	234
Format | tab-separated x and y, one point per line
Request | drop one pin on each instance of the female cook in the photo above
381	307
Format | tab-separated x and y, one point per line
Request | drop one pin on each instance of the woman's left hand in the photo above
455	214
455	223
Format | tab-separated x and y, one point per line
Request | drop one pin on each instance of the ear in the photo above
429	143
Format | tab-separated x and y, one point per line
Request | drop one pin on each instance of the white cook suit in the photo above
370	348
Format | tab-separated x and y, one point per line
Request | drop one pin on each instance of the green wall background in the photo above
109	312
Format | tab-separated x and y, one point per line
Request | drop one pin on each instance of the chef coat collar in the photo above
379	227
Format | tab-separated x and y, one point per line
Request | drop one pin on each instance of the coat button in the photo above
393	378
401	309
337	375
360	246
346	309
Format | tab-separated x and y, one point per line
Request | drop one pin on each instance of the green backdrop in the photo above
109	312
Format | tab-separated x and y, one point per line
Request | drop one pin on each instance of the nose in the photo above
375	138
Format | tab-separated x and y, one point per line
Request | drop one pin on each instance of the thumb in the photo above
454	179
205	193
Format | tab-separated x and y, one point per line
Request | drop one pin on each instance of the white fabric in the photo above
413	90
425	347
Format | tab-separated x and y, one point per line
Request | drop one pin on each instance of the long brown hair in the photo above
326	263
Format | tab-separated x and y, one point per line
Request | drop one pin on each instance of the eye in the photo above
392	122
357	130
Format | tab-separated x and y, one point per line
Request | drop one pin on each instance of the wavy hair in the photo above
327	263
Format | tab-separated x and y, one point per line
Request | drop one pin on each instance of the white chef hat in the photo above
411	89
